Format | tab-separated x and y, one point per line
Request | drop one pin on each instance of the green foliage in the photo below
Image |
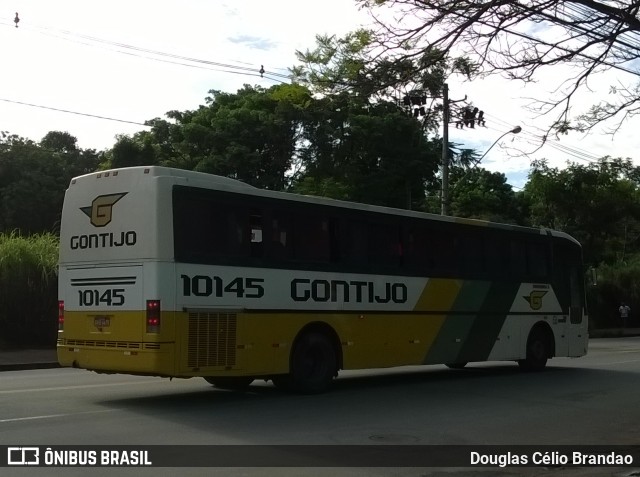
33	178
250	136
480	194
353	65
129	152
336	64
28	289
327	187
376	154
616	283
599	204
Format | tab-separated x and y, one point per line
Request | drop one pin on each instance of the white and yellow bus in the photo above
180	274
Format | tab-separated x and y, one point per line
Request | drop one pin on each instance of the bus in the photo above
175	273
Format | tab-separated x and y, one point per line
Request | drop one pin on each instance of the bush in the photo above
615	284
28	289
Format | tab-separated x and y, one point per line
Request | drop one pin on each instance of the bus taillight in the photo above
153	316
60	315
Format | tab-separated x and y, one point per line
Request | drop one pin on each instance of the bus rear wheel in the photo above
236	383
538	349
313	365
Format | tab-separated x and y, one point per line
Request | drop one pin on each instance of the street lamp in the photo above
445	163
515	130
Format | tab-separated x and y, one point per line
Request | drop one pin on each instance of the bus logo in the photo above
101	208
535	299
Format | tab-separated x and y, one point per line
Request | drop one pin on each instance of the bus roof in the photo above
212	181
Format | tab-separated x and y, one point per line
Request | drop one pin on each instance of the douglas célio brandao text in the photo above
575	458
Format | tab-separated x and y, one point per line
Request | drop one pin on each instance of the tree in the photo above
479	194
352	64
129	152
75	161
33	179
59	141
373	132
598	204
250	135
371	153
589	36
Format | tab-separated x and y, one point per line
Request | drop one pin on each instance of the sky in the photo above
134	61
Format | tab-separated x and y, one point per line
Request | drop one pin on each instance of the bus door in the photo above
568	278
577	326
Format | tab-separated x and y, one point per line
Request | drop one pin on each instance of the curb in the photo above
27	366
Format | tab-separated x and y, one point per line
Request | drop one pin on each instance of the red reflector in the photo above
60	314
153	316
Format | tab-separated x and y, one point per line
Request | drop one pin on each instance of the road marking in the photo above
51	416
83	386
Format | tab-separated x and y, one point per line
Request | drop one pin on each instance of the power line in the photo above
536	141
71	112
118	46
539	141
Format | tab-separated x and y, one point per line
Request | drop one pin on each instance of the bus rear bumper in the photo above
149	362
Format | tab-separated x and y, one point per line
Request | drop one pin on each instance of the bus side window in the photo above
538	260
255	227
441	249
280	237
469	251
497	257
206	230
517	260
384	245
311	238
418	255
357	243
335	250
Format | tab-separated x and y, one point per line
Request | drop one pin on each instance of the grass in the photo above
28	287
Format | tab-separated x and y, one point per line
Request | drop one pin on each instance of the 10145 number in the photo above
204	285
109	297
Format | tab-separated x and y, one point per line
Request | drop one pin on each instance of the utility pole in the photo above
445	151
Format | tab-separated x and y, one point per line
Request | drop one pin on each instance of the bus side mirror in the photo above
592	276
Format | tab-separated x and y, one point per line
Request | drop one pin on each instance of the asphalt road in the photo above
591	400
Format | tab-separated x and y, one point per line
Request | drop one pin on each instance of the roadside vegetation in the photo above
28	289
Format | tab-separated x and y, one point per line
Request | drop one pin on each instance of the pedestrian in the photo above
624	311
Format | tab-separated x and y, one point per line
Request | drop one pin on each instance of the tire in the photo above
236	383
282	381
313	365
538	350
455	365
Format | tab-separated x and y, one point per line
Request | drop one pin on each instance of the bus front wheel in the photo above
313	365
538	349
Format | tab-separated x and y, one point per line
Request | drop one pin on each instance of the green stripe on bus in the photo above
456	327
486	327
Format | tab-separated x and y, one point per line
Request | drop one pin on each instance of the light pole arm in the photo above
515	130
